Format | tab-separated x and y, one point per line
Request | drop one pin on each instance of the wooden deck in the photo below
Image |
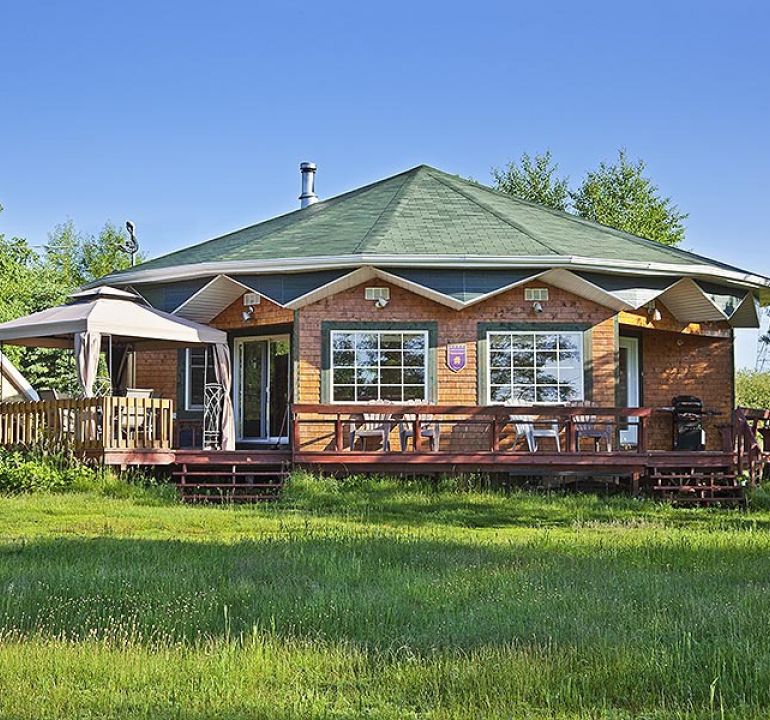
412	462
246	476
140	433
191	456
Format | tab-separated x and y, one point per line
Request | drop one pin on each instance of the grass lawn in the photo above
378	599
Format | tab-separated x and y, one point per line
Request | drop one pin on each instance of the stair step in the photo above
696	488
218	482
692	476
229	498
231	486
229	473
708	500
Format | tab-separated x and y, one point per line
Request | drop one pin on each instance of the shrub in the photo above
38	470
27	472
18	474
759	497
752	389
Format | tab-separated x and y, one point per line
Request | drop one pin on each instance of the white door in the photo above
261	388
628	360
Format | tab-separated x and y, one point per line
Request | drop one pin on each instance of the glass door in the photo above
278	363
628	391
261	388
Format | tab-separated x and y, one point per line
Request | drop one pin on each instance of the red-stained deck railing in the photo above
751	441
493	418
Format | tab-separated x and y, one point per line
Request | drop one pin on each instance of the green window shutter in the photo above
482	351
328	325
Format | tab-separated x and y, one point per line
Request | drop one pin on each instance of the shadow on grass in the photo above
407	502
385	592
550	609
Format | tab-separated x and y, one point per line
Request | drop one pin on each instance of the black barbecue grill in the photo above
688	423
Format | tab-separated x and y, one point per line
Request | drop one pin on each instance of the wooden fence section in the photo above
89	423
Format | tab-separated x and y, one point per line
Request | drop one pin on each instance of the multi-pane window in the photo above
535	367
195	370
379	365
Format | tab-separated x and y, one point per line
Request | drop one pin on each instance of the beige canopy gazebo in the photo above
105	314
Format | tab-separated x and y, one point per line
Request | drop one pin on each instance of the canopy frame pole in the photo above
109	365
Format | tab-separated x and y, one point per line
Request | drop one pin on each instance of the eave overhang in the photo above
304	264
687	300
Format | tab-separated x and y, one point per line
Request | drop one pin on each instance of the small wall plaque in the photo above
456	356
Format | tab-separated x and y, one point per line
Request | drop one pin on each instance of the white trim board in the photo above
304	264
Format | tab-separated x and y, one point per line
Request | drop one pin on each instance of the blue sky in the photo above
191	118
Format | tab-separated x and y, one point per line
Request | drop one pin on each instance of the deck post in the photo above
106	423
495	435
295	431
417	444
641	440
571	435
338	433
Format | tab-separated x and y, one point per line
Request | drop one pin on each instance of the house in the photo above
432	303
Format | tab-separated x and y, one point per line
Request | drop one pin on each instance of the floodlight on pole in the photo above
131	246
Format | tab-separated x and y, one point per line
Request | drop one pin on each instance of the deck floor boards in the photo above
430	461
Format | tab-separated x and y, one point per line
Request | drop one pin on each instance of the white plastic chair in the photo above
522	424
588	427
429	428
526	428
377	425
131	424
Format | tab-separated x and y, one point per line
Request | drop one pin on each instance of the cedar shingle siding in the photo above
673	362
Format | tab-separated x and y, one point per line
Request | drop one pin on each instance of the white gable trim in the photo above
747	314
581	287
558	278
688	303
205	304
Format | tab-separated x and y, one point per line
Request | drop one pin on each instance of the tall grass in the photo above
365	598
49	467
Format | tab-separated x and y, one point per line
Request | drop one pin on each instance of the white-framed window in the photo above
388	365
195	368
535	367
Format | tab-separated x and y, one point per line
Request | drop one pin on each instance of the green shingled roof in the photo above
424	211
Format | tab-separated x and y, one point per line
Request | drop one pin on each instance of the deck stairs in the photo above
230	482
701	486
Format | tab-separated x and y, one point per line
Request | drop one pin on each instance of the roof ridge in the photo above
494	212
408	180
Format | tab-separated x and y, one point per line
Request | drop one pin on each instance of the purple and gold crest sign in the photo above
455	357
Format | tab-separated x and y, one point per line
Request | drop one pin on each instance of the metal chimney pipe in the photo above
308	197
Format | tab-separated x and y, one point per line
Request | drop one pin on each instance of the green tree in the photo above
77	258
70	259
535	179
752	389
19	273
621	196
103	254
62	258
30	282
